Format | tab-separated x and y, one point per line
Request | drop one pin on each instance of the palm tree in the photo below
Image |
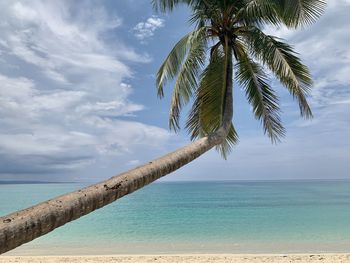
227	42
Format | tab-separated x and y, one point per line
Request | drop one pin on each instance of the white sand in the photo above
300	258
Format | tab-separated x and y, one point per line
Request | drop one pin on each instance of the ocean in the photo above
198	217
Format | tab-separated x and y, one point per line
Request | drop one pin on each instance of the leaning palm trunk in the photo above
25	225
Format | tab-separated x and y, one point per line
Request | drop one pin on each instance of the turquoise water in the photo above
212	217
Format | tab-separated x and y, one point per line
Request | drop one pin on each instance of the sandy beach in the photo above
300	258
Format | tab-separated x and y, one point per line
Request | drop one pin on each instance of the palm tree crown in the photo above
228	37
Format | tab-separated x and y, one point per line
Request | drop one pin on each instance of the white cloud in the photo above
144	30
63	89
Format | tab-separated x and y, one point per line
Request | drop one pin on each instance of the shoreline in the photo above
192	258
184	248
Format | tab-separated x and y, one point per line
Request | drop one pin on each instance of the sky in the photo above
78	100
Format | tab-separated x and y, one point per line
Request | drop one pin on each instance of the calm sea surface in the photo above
205	217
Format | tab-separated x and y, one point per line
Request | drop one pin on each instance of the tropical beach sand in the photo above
300	258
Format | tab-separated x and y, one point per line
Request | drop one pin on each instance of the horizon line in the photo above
7	182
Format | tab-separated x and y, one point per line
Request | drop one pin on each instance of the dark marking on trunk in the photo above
115	187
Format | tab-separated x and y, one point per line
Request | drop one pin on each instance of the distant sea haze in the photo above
199	217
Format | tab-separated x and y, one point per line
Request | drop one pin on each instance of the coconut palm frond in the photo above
260	95
168	5
297	13
283	62
258	12
206	115
174	61
186	81
225	148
